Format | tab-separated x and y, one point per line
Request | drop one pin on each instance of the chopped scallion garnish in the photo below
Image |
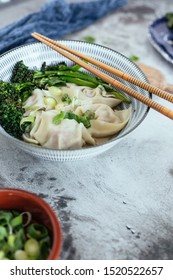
85	118
21	241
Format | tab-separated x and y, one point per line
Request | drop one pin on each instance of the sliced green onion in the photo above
29	119
28	218
71	116
45	245
3	232
16	221
90	114
10	229
32	248
55	91
20	255
50	101
11	240
66	98
76	101
2	255
37	231
58	118
3	245
20	239
5	215
85	120
59	107
31	108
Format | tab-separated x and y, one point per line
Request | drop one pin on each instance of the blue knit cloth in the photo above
55	19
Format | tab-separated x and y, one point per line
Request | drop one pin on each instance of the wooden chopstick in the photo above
63	51
161	93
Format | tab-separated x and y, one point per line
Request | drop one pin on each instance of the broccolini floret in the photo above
12	96
21	73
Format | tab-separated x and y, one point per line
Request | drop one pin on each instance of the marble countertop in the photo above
117	205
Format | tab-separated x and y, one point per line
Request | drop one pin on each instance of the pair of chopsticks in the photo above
73	55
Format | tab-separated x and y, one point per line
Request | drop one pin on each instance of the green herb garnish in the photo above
85	118
21	239
27	123
134	58
89	39
66	98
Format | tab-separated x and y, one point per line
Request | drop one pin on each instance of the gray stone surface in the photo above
117	205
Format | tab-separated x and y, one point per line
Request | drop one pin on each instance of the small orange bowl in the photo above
16	199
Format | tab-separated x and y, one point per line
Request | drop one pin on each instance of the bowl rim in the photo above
108	142
55	223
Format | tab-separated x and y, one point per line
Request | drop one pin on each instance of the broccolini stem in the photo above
78	81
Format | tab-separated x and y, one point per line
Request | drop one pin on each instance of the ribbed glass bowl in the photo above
35	54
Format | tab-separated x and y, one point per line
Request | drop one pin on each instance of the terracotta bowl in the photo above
41	212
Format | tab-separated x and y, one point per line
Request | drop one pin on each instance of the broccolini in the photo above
23	81
12	96
58	75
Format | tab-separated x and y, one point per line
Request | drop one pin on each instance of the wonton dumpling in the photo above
107	121
36	123
90	95
44	105
68	134
35	101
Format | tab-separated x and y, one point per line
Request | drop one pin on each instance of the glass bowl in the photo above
24	201
35	54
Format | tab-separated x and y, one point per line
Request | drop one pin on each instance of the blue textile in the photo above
55	19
